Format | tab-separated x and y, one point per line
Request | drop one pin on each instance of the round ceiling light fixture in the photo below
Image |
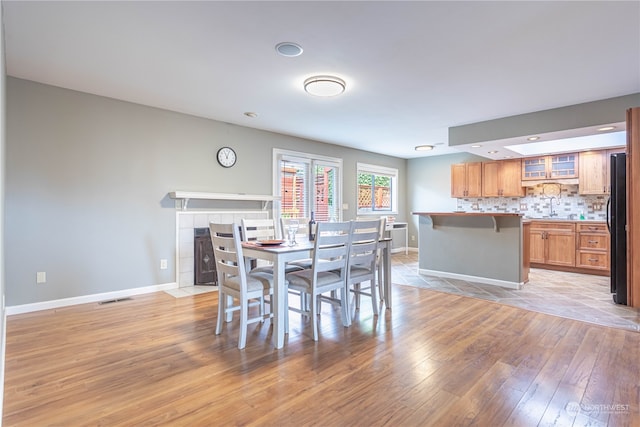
533	138
324	86
606	128
424	147
289	49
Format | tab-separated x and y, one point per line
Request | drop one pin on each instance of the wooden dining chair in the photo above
363	260
328	271
234	283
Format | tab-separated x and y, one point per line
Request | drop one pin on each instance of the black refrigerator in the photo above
617	224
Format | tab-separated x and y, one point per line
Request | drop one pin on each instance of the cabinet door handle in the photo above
592	241
593	259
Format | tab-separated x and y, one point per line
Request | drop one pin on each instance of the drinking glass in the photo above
292	229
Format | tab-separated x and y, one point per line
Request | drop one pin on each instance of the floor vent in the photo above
114	300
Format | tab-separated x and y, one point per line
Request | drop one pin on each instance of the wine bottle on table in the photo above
312	228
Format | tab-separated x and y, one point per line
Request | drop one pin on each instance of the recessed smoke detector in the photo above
289	49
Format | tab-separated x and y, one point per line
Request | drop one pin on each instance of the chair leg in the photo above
244	316
261	309
314	316
222	298
379	282
374	297
344	306
356	295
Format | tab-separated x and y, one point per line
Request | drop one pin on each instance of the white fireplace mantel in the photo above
185	196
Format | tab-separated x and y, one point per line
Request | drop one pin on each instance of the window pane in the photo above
293	189
376	189
326	193
382	192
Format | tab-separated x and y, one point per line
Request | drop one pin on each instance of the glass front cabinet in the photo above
550	167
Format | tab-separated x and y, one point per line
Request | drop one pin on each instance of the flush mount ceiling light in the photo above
606	128
289	49
324	86
476	146
493	152
533	138
424	148
251	114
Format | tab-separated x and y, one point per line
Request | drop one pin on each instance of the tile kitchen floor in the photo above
576	296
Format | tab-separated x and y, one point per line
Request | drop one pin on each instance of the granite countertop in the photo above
460	213
576	220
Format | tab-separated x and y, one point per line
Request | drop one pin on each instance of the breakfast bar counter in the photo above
481	247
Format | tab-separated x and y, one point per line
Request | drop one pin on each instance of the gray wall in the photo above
2	173
429	187
589	114
87	182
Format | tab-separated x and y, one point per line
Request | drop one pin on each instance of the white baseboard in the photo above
476	279
46	305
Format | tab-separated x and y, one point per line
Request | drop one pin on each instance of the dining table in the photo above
281	254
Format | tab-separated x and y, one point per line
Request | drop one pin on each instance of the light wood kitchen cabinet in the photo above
592	246
466	180
502	179
553	243
558	166
595	172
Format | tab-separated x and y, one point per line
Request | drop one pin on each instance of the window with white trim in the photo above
307	183
377	190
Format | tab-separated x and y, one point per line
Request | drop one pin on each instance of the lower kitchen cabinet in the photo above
570	245
592	246
553	243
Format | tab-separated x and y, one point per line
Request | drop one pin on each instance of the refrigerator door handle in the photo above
608	212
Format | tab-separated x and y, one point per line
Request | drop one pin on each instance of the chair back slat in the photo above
258	229
364	243
303	226
227	251
331	246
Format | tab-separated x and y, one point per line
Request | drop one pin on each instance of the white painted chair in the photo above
363	257
328	270
265	229
301	235
249	289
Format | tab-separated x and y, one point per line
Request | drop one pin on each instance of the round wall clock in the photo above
227	157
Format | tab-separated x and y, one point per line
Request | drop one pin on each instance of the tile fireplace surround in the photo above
186	221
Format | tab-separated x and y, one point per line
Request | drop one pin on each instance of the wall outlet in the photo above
163	264
523	206
475	207
41	277
413	238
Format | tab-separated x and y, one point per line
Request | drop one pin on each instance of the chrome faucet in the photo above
552	213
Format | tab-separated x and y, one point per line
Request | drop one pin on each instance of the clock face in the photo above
226	157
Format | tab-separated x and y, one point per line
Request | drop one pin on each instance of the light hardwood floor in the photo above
435	359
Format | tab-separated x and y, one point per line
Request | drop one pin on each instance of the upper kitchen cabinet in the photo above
466	180
502	179
559	166
594	171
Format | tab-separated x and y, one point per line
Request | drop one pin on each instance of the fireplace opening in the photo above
203	258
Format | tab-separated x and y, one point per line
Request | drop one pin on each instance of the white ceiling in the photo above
413	69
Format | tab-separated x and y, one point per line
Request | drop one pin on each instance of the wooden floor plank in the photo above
435	359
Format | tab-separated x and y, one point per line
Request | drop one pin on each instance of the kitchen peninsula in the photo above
483	247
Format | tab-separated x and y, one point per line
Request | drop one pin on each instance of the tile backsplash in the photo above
535	204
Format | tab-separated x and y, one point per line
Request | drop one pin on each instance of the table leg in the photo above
386	259
279	300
